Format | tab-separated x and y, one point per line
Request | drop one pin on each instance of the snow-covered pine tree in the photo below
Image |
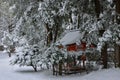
50	17
27	55
5	20
29	28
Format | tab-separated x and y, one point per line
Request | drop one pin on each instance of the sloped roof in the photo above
70	38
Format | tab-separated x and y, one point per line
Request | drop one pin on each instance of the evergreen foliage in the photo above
42	22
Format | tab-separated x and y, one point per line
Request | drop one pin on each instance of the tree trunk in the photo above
49	34
118	22
118	11
53	66
115	55
97	8
119	56
56	34
56	28
78	25
104	56
117	51
9	54
60	67
35	68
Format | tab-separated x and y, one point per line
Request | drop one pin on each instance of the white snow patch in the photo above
8	72
71	37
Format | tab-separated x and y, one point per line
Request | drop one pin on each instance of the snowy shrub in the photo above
27	56
56	55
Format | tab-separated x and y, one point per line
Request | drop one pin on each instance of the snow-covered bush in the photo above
56	55
27	56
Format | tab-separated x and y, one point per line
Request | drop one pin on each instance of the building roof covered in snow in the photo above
70	38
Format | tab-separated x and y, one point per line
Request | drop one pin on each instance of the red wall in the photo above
81	47
74	47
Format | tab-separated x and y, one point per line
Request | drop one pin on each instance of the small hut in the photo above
72	41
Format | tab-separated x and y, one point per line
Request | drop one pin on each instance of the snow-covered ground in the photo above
8	72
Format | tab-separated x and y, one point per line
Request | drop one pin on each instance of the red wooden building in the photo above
72	42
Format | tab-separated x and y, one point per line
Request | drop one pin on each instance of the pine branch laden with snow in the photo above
55	55
28	56
31	16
